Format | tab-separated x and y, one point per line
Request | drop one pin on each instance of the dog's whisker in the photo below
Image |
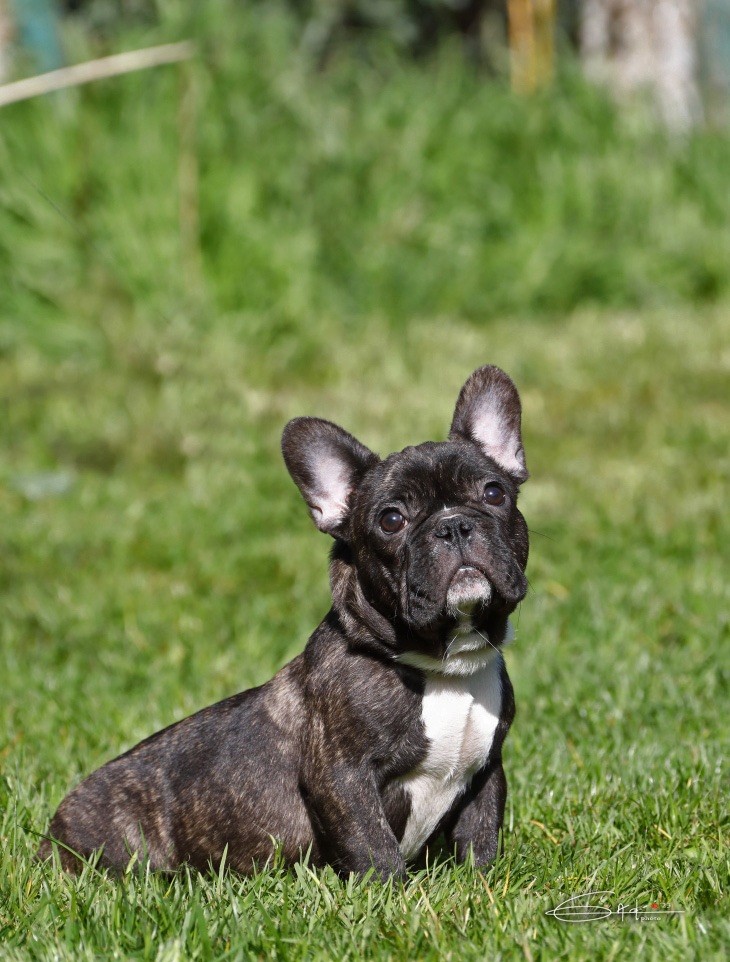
485	638
542	534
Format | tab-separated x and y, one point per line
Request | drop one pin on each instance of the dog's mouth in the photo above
469	589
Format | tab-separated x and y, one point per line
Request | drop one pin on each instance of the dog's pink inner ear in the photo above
326	464
493	431
488	412
331	488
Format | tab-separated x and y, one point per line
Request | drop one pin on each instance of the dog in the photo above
386	732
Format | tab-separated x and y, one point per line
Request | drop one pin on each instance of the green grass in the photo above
369	235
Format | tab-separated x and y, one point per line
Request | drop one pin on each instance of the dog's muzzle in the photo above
468	589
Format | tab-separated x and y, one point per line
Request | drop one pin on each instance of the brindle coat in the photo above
317	760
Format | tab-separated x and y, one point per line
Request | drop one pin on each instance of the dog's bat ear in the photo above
488	413
326	464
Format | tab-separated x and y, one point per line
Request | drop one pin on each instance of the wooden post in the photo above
545	13
531	43
521	45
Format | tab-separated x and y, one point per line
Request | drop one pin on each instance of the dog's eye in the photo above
392	521
494	494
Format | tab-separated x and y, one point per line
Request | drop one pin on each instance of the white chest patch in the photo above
460	715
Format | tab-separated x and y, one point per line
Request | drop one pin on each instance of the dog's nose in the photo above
454	529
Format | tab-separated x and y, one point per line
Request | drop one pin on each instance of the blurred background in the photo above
335	157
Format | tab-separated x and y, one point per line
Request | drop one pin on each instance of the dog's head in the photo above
430	547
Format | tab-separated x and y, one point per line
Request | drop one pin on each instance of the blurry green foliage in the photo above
375	184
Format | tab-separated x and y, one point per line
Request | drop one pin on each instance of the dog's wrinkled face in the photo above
435	537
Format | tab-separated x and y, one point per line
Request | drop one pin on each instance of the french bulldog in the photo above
386	732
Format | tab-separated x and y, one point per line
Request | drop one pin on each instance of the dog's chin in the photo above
469	589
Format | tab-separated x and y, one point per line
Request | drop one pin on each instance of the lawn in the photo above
351	244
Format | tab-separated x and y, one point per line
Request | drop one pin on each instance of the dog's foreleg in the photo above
349	821
479	821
